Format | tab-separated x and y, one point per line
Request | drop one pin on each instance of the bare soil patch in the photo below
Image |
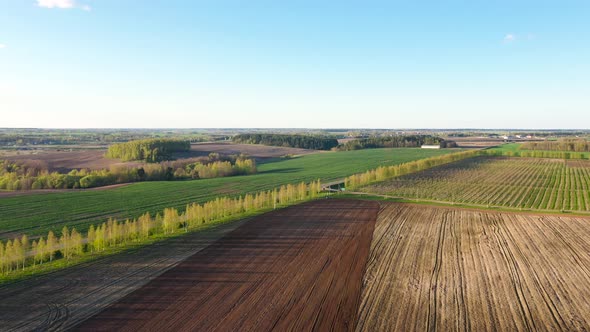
294	269
253	150
346	140
476	142
65	161
436	268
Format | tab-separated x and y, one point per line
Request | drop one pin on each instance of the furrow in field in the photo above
434	268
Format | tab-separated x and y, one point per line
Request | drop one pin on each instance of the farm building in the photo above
425	146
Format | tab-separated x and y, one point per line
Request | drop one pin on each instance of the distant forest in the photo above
293	141
406	141
149	150
31	138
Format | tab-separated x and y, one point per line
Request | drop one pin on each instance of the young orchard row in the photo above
545	184
387	172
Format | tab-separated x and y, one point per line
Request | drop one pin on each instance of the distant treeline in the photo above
150	150
405	141
19	176
570	145
293	141
38	137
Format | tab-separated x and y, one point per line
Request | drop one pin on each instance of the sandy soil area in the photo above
447	269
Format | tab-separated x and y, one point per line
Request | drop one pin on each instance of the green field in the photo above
510	147
36	214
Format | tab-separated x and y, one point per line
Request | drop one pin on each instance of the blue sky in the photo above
313	64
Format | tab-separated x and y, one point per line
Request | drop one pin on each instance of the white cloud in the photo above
56	3
62	4
509	38
2	46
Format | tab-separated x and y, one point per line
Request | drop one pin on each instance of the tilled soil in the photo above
458	270
294	269
60	300
257	151
65	161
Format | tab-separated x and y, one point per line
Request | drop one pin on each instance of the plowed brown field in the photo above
294	269
257	151
446	269
62	299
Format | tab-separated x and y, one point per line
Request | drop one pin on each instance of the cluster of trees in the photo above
15	176
21	253
217	169
293	141
401	141
571	145
149	150
387	172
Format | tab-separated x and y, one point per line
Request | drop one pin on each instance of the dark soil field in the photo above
434	268
296	269
60	300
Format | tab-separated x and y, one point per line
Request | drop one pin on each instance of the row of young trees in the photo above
14	176
149	150
401	141
387	172
539	154
571	145
20	253
293	141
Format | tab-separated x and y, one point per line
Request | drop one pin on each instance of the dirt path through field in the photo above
447	269
294	269
60	300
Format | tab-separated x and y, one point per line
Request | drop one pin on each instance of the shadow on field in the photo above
282	170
